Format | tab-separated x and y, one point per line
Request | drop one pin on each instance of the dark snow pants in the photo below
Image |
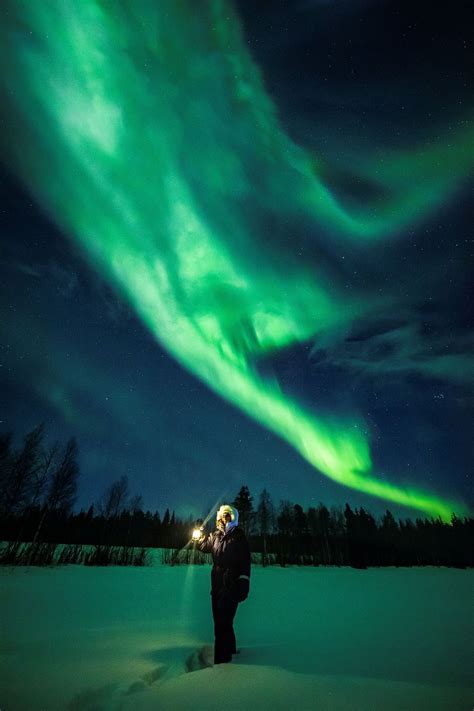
224	607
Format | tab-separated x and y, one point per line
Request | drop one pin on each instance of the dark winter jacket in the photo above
231	558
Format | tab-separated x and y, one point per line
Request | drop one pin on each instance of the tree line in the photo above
38	489
289	534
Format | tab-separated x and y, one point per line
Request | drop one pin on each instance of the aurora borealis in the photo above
148	134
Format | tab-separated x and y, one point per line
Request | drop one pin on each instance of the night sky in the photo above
237	248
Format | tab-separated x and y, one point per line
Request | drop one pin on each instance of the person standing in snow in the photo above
230	577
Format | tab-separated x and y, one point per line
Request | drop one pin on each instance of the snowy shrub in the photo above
70	554
184	556
117	555
28	554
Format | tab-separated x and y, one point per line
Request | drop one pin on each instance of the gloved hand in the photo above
198	526
243	587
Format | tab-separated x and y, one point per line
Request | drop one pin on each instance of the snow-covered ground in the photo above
333	639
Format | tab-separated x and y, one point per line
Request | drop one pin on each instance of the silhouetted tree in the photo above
166	519
136	503
113	501
337	535
323	520
20	475
265	520
6	463
285	518
351	536
115	498
243	504
39	485
388	522
63	488
366	536
300	521
135	506
42	477
389	535
285	527
48	458
299	534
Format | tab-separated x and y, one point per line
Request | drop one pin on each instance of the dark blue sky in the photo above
74	355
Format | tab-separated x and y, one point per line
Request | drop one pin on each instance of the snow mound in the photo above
239	686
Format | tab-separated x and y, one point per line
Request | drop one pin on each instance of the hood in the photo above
234	521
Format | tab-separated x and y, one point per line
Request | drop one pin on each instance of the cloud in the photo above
22	267
114	307
66	281
402	348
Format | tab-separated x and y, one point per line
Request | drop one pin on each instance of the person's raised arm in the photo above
204	543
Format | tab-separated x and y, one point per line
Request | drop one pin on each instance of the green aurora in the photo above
145	130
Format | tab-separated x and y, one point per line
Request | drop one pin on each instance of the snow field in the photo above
333	639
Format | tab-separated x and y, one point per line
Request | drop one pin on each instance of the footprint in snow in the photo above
200	659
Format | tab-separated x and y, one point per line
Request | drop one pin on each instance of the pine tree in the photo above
388	522
243	504
285	518
300	521
323	515
265	520
299	535
350	534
